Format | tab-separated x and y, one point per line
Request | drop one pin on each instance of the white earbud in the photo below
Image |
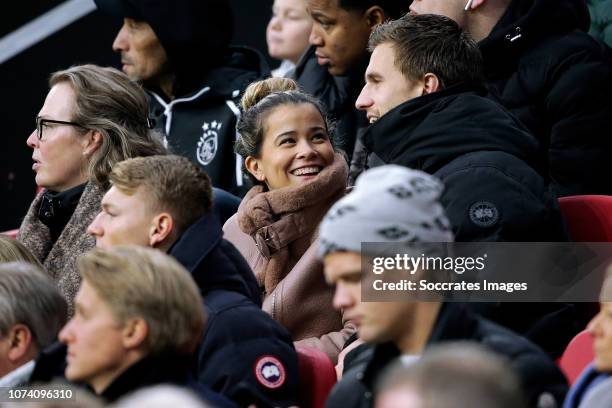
468	5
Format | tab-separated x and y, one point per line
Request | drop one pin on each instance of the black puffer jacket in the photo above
245	354
538	374
482	154
542	65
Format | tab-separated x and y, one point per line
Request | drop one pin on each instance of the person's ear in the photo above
134	333
375	15
20	339
92	141
431	83
161	227
254	167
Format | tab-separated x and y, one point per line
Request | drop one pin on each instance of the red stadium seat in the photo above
588	217
577	355
11	233
317	377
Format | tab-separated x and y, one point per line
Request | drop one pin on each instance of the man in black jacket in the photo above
427	110
164	202
180	51
332	68
541	64
401	207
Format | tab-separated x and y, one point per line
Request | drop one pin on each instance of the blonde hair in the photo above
107	101
173	183
12	250
140	282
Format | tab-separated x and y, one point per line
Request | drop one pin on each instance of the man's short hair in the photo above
140	282
457	371
173	183
429	43
29	297
393	8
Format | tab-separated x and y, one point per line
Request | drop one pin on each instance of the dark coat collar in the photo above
197	242
454	321
430	131
151	370
213	262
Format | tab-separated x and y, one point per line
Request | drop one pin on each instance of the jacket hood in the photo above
429	132
527	22
213	262
194	33
242	65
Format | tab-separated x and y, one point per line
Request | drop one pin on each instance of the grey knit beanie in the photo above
388	204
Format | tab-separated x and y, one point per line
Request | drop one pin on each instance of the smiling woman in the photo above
285	139
92	118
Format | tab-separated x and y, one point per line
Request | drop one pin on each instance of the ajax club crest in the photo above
209	142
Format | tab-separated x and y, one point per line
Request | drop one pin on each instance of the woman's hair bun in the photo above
256	91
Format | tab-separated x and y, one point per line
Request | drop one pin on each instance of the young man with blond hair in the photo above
138	319
164	202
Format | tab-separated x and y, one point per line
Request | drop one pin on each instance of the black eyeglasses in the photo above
40	123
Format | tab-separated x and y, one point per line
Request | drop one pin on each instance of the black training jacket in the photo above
542	65
201	125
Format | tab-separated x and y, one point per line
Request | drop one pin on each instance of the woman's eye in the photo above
319	136
286	141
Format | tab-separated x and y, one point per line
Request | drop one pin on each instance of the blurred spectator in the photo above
287	33
31	314
138	320
427	111
164	202
12	250
161	396
179	50
598	372
599	397
446	374
92	118
332	69
393	198
285	140
542	65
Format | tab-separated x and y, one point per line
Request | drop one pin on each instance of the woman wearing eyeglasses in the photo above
92	118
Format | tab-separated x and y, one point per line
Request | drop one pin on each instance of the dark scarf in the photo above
56	209
283	222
